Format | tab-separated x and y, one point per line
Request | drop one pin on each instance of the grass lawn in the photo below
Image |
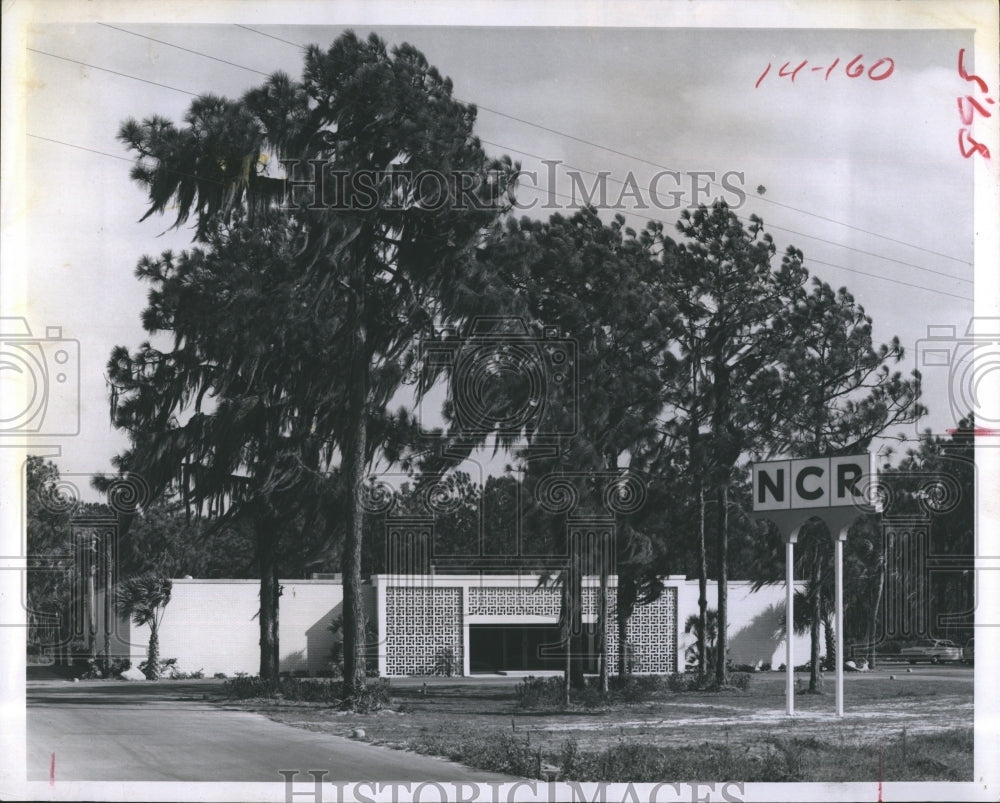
920	723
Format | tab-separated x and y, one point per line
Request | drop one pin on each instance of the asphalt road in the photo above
119	731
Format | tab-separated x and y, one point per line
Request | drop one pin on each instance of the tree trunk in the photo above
567	629
702	584
354	466
267	563
830	639
578	639
625	597
694	450
873	623
602	626
815	618
721	646
153	655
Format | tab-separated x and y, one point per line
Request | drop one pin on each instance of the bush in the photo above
445	662
689	681
640	762
220	675
741	680
535	692
100	669
373	697
507	753
637	688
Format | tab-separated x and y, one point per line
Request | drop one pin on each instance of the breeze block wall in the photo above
423	629
423	617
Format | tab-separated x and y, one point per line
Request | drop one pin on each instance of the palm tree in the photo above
144	598
702	652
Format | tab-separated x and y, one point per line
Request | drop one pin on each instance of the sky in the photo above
865	176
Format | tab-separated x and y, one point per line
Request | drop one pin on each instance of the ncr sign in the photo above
814	482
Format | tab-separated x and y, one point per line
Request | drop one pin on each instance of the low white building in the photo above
466	624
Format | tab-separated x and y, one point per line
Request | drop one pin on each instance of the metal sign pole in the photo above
839	570
789	626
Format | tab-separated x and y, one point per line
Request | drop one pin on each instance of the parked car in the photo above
969	651
933	650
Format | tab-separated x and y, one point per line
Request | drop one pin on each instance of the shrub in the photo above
220	675
501	752
445	662
245	687
373	697
741	680
689	681
637	688
101	669
643	763
535	692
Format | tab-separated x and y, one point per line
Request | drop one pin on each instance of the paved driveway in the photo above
142	731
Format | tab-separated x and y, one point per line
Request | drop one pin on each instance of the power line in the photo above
549	191
653	194
536	156
592	144
185	49
113	72
886	278
271	36
79	147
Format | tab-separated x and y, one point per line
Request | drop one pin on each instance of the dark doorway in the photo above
516	648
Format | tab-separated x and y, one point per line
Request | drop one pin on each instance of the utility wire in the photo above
560	195
113	72
657	164
185	49
548	191
609	150
653	194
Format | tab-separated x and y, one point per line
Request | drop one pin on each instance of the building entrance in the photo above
523	648
514	648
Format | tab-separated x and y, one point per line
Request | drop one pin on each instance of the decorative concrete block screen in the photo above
514	601
652	632
422	625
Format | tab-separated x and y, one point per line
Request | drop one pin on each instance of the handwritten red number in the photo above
966	76
966	113
851	70
887	70
879	71
784	72
976	147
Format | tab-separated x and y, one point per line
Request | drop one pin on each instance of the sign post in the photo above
790	492
789	624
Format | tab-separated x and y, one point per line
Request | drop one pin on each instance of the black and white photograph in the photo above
513	401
